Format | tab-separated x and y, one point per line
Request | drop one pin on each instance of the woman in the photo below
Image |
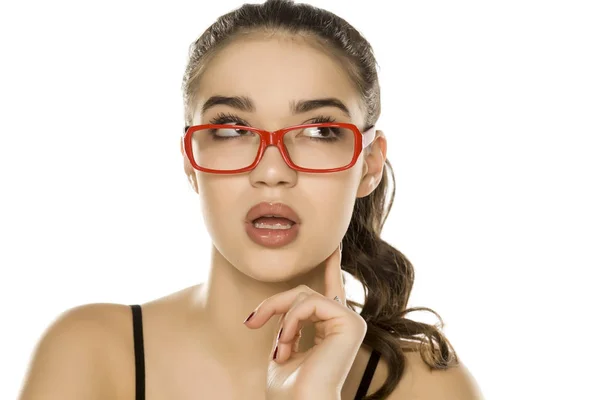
281	101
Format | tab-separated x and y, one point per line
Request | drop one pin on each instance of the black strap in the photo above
368	375
138	343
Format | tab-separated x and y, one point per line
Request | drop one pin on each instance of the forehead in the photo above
276	71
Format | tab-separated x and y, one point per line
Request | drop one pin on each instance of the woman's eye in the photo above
317	132
230	132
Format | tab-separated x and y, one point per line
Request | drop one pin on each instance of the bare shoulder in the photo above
70	358
419	381
87	352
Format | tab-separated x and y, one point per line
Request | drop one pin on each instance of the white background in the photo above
491	111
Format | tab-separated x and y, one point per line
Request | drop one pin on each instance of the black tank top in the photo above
140	367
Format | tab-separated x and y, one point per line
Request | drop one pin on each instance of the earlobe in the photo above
367	185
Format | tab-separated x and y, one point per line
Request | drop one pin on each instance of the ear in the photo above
374	161
188	169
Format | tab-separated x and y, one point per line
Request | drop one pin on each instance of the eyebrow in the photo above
244	103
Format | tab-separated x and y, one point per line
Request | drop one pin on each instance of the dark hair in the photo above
386	274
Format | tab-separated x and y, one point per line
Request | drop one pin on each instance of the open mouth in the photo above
273	222
272	225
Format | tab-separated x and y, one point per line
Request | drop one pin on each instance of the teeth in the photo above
260	225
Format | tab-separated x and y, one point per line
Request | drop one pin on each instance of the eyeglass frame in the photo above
275	138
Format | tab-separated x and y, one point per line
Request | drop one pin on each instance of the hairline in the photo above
306	37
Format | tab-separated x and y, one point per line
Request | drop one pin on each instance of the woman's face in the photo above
272	73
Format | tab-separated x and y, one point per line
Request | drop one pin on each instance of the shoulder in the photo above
86	327
419	381
71	358
100	326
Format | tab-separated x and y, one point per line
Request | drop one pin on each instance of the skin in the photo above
242	273
194	340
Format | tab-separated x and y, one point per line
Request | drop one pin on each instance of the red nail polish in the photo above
249	316
279	334
275	352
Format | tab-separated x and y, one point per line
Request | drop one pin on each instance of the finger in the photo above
335	321
297	341
276	304
276	340
284	346
286	349
318	309
334	283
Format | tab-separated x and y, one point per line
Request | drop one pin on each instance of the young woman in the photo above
280	145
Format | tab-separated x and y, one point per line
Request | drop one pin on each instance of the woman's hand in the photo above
320	372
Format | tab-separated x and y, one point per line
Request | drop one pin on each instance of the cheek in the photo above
331	209
224	203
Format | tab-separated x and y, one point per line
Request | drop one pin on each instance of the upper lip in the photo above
269	208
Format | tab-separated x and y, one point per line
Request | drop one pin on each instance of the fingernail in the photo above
275	352
279	334
249	316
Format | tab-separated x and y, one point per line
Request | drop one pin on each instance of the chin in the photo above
268	266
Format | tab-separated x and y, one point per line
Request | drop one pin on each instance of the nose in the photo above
272	170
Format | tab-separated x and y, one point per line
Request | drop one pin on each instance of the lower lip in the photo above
272	238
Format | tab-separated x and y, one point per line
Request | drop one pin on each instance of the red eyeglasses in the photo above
317	147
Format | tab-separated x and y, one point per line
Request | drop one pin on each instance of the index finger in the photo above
334	284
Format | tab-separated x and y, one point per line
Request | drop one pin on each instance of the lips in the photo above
272	209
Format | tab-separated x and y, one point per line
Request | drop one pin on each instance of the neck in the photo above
229	296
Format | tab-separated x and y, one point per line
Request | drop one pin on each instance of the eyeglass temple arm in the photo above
368	136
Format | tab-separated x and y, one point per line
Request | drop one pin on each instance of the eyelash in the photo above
224	118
